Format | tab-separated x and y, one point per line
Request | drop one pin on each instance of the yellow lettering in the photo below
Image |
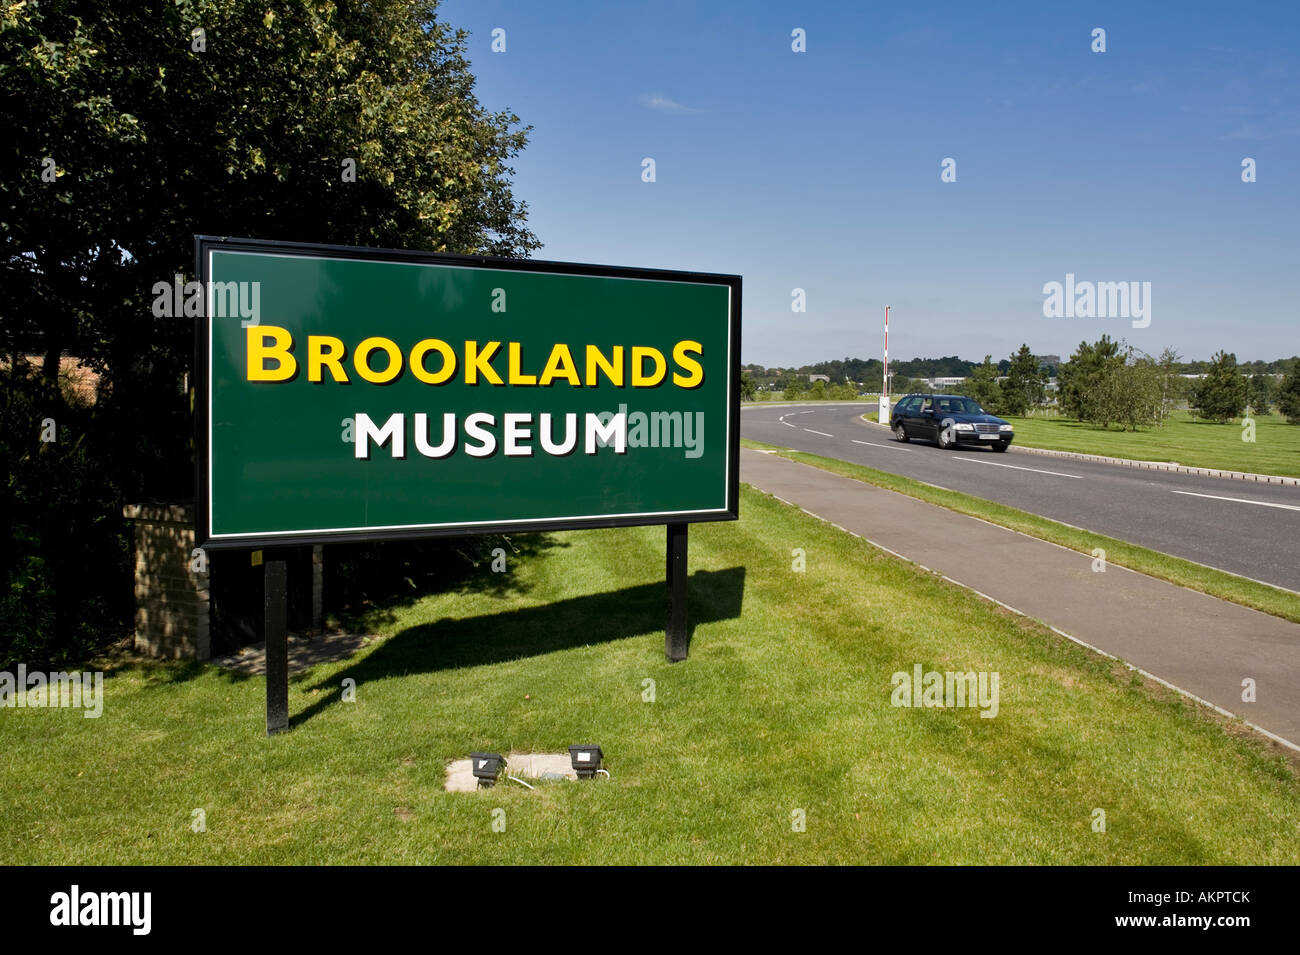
696	376
361	360
560	355
613	370
448	361
516	376
325	351
639	355
476	362
259	351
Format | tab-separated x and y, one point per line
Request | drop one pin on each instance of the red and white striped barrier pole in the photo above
883	414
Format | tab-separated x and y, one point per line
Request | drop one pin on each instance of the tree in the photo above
1221	394
1171	385
1287	395
153	141
145	139
1129	392
1025	386
1080	378
900	384
1112	383
748	389
983	386
1259	393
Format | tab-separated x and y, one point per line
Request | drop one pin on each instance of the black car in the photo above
950	420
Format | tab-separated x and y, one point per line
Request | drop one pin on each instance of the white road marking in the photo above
1016	467
1242	500
787	424
891	447
822	433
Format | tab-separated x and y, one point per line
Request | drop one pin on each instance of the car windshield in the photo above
959	406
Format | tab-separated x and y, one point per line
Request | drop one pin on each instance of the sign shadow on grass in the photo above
451	644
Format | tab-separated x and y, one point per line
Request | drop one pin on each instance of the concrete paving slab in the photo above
304	652
1200	644
527	766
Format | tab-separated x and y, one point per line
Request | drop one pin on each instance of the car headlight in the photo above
1005	427
961	426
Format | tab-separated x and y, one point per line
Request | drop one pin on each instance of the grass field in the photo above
1185	573
784	705
1200	444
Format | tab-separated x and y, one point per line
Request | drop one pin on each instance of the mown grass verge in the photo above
783	706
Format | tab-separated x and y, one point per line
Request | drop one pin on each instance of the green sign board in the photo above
360	394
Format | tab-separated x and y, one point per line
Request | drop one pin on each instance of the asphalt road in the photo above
1238	526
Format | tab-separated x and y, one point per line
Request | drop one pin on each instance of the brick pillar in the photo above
172	593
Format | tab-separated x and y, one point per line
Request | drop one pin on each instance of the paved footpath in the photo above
1199	644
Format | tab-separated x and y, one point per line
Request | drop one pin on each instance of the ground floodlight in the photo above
487	766
585	760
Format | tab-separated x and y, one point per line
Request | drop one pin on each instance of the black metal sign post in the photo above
675	638
277	646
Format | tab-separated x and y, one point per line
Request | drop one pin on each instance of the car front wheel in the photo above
900	434
1000	446
947	440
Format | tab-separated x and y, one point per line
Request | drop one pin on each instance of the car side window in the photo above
926	404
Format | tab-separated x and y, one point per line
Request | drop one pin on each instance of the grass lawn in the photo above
1198	444
1185	573
783	705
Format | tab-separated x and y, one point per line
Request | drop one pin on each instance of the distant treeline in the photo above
1104	383
869	370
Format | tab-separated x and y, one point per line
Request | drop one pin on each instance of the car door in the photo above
922	423
942	412
904	412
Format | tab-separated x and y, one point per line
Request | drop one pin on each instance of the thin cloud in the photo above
663	104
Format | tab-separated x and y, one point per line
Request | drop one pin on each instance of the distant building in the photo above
814	378
943	382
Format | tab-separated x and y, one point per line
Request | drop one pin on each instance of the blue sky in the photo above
821	170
